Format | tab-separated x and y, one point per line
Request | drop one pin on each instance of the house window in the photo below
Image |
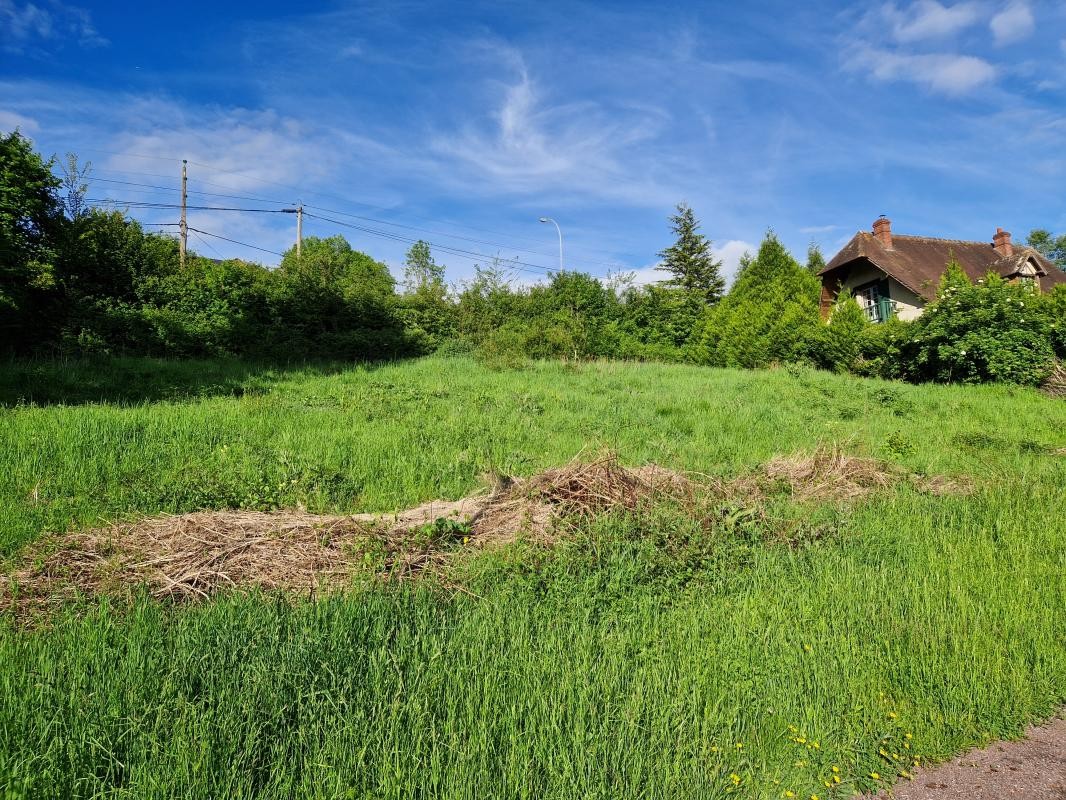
873	299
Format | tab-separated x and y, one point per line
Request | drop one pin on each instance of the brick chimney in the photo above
1001	243
883	231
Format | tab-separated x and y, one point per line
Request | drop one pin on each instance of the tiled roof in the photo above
918	261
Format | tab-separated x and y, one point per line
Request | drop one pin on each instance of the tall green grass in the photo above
629	662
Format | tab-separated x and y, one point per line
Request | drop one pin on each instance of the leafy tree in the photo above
815	259
336	302
421	272
769	315
1054	247
425	309
30	222
74	186
689	259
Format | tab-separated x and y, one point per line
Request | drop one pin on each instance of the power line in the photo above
191	191
525	266
154	205
586	261
234	241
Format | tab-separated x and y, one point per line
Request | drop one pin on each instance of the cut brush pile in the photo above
193	556
196	555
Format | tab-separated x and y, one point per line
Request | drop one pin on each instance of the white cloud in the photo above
1013	23
819	229
527	144
939	72
9	120
928	19
51	20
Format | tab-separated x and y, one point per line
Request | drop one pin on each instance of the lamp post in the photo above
560	232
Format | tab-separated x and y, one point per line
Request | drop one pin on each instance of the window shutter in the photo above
884	302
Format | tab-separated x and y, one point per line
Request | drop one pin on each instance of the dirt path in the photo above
1033	768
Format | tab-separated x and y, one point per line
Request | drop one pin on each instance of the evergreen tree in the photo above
815	259
689	259
768	316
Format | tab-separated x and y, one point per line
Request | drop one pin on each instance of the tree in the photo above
1054	247
74	186
815	259
770	314
30	224
689	259
421	272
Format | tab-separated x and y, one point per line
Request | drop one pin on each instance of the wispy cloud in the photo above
9	120
945	73
51	21
528	143
1013	24
819	229
928	19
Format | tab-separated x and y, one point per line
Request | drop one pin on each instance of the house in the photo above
891	274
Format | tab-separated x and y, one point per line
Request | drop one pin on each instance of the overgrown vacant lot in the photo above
760	647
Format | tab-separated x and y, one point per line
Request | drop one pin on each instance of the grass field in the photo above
646	657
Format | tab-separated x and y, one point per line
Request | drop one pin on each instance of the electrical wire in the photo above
234	241
525	266
585	261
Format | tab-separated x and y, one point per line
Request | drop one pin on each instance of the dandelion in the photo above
806	648
714	748
788	793
875	776
836	769
893	714
908	736
836	779
735	778
740	745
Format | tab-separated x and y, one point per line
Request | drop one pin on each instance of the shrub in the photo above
989	331
838	345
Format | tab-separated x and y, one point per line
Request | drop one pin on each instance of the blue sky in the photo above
462	123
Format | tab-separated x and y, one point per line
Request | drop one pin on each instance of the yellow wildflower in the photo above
875	776
735	778
836	768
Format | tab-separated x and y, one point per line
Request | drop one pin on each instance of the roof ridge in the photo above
940	239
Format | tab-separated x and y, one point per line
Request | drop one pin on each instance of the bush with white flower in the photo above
989	331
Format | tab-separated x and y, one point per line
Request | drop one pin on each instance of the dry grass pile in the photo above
1055	383
194	556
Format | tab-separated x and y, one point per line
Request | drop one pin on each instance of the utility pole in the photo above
299	229
183	225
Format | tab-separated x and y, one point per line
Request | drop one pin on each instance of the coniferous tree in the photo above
815	259
690	261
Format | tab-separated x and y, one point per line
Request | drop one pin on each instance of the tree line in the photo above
77	280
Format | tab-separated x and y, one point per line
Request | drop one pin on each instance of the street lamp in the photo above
560	232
